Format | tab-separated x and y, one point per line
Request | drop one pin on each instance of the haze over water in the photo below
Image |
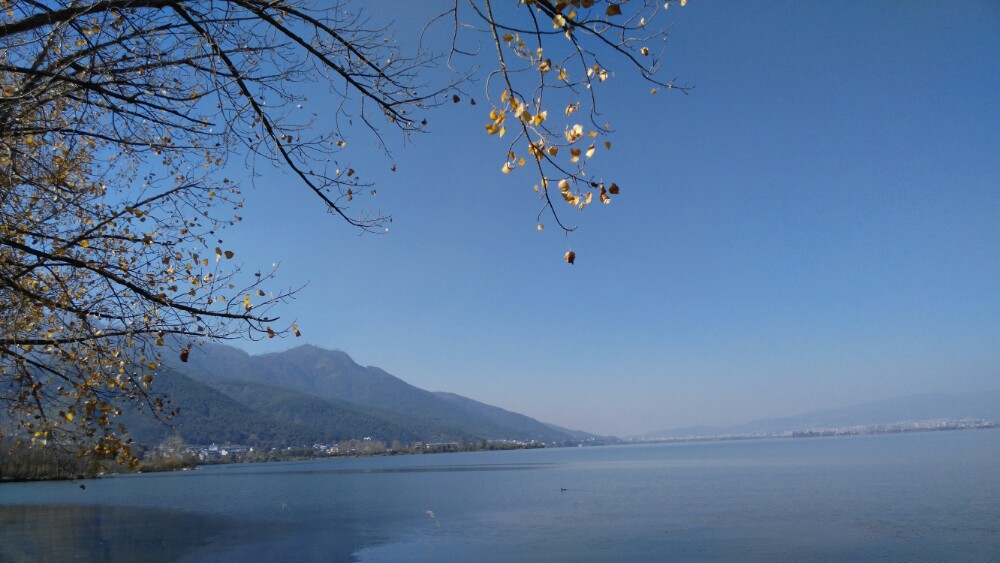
914	497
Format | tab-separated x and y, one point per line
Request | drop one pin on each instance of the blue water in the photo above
901	497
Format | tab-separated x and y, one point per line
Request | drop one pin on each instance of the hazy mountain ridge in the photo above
509	419
333	420
913	408
323	394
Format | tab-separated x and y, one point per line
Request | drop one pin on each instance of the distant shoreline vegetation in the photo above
214	454
22	463
859	430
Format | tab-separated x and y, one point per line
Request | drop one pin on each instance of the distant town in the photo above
236	453
936	425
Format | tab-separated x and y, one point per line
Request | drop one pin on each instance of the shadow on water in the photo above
116	533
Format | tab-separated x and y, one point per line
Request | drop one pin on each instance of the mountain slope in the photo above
334	419
505	418
333	375
207	416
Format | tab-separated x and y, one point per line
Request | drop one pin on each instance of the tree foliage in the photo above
119	120
545	91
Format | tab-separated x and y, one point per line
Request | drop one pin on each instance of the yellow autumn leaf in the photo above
570	256
574	133
604	195
613	10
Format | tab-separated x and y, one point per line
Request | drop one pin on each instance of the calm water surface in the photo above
902	497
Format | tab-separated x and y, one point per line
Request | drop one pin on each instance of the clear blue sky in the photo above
817	224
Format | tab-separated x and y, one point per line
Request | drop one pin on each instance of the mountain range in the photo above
913	408
310	395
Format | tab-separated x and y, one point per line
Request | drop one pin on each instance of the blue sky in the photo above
816	224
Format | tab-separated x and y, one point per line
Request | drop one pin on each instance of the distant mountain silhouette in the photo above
914	408
528	426
310	395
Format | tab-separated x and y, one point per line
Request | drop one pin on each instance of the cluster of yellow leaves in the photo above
95	278
563	151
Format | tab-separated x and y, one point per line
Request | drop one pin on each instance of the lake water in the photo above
902	497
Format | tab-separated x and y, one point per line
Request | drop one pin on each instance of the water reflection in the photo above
903	498
102	533
128	534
